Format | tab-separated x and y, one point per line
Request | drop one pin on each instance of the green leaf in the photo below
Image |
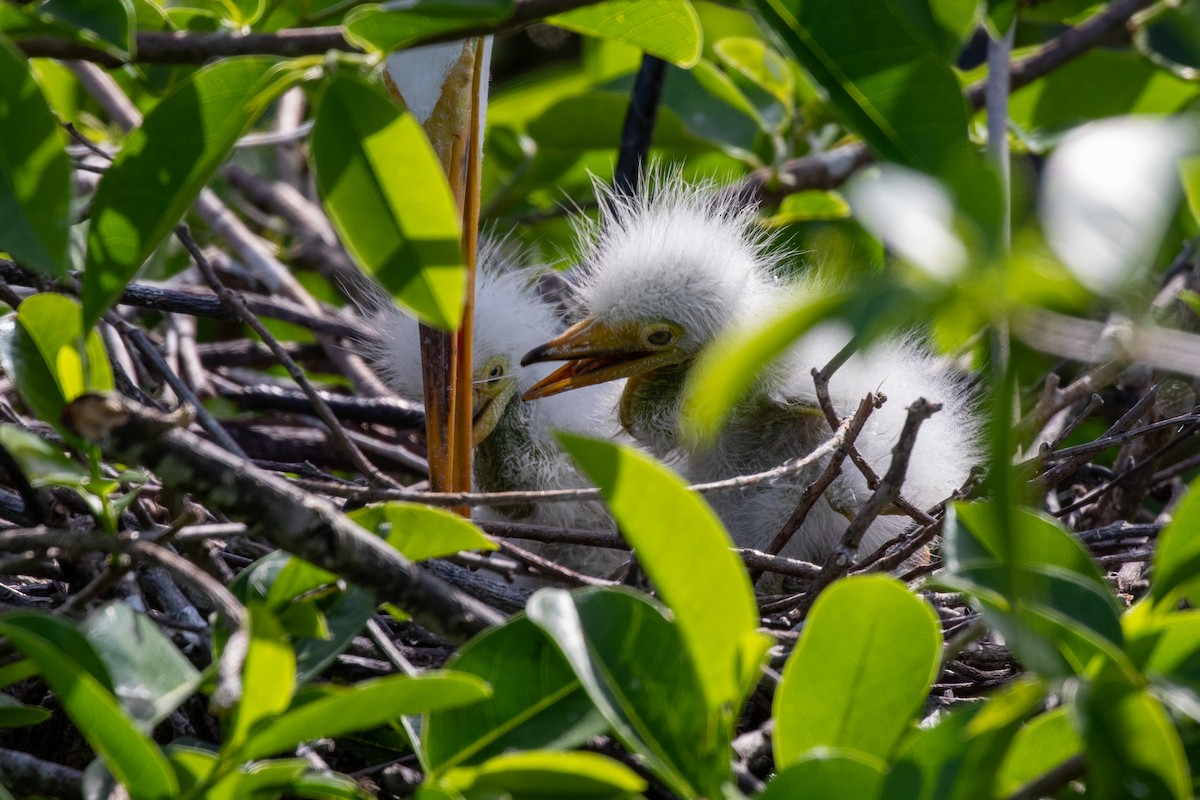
550	775
14	714
761	65
650	504
340	710
164	165
537	703
35	173
108	21
828	774
268	678
1170	649
71	671
150	676
1067	97
884	76
635	666
421	532
1132	748
668	29
368	156
809	205
42	463
1176	571
1036	585
1041	745
1189	172
945	23
374	28
868	653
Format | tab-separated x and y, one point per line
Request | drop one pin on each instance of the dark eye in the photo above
659	337
496	371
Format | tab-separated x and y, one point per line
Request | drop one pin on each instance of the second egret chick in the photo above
669	270
513	446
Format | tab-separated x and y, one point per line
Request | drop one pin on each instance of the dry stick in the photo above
275	511
849	430
205	419
235	304
1054	400
550	567
842	556
821	381
28	776
1069	464
1049	783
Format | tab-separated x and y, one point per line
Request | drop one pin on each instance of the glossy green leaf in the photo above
810	205
633	663
1041	745
421	532
550	775
1189	172
71	672
649	504
884	76
14	714
344	709
164	165
1037	586
16	671
868	653
150	676
760	64
1177	558
78	363
1131	746
368	156
1166	647
110	22
828	774
945	23
35	173
537	703
375	28
325	786
929	760
268	678
668	29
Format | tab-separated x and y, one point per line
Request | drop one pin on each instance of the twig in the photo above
1049	783
638	128
28	776
234	303
274	510
885	495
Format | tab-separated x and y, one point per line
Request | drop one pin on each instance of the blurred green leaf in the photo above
373	27
648	501
809	205
1100	83
42	463
151	678
635	666
537	701
14	714
1042	744
108	21
760	64
164	165
268	679
1131	747
1165	646
1176	566
868	653
1037	586
668	29
70	667
339	710
368	155
884	76
1189	172
544	774
35	173
421	532
829	774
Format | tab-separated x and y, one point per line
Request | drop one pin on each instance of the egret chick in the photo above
513	446
668	271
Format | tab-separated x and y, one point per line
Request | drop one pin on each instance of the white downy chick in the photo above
670	269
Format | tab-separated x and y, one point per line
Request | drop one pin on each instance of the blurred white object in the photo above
1108	193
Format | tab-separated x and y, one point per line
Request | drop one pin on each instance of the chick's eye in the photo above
660	336
496	371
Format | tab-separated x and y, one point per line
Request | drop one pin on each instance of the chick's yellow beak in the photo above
595	352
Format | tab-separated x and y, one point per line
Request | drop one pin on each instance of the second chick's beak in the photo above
595	352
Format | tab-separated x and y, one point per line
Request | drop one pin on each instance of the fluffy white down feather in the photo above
685	254
520	454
